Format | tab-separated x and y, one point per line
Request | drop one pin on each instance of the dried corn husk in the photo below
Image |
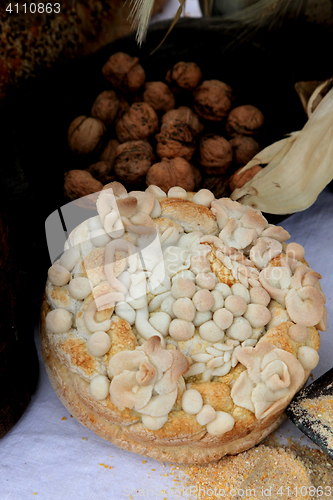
311	93
298	166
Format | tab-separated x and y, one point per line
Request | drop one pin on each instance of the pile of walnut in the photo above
139	132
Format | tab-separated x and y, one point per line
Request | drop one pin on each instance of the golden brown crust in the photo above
60	295
223	273
164	223
122	337
179	429
215	394
190	216
78	354
280	338
93	266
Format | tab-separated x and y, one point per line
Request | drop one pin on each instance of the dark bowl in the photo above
35	118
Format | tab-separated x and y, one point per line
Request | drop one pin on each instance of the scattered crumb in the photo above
106	466
265	471
84	439
64	418
319	415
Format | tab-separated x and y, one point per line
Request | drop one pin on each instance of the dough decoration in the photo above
272	376
146	379
199	282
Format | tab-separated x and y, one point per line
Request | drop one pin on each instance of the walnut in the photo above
107	106
85	135
123	106
137	123
102	171
245	120
244	149
80	183
197	177
124	72
183	114
159	96
218	185
133	160
215	154
109	152
175	140
239	178
184	75
171	172
213	100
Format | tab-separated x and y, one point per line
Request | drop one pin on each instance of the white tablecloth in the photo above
50	456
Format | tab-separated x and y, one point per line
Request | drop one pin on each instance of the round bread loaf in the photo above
179	326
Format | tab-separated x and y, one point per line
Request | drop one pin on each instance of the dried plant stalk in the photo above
298	167
140	16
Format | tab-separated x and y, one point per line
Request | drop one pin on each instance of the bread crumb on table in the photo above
265	471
